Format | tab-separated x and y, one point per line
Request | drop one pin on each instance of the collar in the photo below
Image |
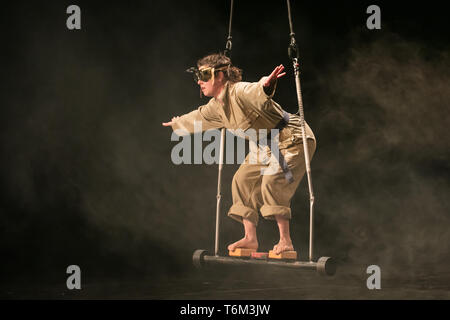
223	94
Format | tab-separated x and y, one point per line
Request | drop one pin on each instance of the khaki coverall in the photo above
245	105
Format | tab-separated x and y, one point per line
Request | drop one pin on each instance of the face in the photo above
213	86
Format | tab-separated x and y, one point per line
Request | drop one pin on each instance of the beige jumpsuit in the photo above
245	105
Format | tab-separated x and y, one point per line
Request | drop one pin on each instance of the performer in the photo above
243	105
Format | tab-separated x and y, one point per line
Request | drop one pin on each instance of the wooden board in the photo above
241	252
288	255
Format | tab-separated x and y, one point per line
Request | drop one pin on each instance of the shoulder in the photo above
245	86
237	87
250	91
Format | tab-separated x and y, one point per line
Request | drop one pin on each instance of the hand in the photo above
276	73
174	119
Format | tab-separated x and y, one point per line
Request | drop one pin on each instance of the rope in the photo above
293	54
227	53
229	44
292	34
293	49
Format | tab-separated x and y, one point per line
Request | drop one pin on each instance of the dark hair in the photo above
217	60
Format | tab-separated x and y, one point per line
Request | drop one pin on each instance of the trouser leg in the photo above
276	191
246	192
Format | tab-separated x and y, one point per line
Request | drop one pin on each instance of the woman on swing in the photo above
243	105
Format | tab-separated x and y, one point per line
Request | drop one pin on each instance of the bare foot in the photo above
283	245
246	243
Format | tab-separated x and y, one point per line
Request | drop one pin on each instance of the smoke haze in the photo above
86	171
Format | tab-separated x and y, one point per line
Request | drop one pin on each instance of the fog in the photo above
86	171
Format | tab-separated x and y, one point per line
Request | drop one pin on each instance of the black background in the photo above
86	173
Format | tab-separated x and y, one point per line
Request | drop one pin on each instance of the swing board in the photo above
252	253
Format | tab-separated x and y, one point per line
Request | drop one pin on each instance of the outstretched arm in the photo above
205	115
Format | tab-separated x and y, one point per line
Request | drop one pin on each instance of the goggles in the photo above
204	73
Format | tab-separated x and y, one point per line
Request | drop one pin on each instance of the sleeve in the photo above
204	118
254	93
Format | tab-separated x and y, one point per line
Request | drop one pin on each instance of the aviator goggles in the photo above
204	73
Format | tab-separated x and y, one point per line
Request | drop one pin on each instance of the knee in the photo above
268	186
243	177
276	193
237	180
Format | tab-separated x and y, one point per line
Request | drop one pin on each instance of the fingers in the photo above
174	119
278	72
273	74
279	68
